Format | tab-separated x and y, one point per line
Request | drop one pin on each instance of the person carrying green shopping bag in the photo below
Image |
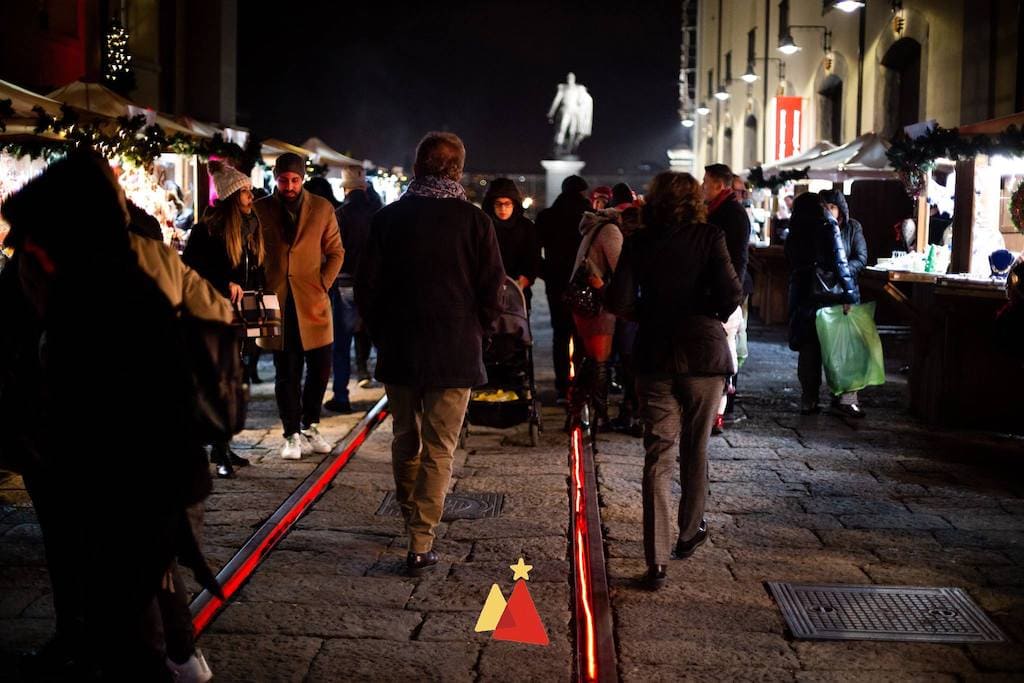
851	349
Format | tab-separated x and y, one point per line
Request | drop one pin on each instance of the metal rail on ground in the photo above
237	571
595	640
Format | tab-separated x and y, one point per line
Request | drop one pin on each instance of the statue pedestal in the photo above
557	171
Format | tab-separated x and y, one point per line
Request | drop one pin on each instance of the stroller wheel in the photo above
463	435
534	433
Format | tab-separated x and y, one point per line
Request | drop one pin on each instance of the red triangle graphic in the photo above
520	622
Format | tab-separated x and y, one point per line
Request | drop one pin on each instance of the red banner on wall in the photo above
787	126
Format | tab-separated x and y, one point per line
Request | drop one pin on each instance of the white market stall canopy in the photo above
860	159
22	102
98	99
273	148
324	155
798	161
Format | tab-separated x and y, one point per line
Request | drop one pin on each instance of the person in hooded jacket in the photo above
559	237
517	236
676	279
857	258
819	277
226	248
597	257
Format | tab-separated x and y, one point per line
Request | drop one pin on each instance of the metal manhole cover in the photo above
837	612
456	506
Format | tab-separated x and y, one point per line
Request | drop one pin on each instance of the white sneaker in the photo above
194	670
292	449
316	441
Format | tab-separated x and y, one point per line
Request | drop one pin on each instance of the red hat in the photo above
601	191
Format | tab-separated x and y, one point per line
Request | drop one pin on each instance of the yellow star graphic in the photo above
520	570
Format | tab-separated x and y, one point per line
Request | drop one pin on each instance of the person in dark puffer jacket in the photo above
817	259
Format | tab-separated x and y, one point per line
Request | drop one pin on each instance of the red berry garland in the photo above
1017	207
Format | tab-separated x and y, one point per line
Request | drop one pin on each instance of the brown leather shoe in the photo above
418	564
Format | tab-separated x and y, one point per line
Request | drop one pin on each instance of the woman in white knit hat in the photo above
227	249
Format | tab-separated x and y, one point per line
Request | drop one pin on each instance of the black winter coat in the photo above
427	288
732	218
520	252
819	273
354	216
679	284
558	231
856	246
207	254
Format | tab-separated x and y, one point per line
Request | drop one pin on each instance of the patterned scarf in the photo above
436	187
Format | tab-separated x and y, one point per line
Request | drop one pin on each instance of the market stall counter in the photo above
770	271
958	377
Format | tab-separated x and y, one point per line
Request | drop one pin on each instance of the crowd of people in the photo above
420	281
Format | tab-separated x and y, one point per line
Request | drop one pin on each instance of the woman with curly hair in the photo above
675	278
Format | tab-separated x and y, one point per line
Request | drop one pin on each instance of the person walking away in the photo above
354	217
724	211
676	279
517	236
559	236
856	247
303	257
132	342
596	258
628	419
428	289
227	249
819	277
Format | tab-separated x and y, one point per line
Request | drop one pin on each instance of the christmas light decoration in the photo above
117	63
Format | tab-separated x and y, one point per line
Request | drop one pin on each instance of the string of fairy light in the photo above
117	63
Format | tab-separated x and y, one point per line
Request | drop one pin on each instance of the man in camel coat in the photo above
303	256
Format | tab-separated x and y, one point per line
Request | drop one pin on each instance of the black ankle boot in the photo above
599	394
219	457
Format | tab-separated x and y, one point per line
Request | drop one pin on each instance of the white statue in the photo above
577	117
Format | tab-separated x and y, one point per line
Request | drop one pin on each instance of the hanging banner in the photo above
787	126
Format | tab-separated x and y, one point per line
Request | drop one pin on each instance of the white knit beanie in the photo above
227	180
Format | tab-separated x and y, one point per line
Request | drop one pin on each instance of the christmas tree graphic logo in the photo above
517	620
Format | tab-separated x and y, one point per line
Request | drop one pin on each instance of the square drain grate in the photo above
456	506
838	612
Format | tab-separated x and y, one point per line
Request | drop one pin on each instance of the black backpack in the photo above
213	353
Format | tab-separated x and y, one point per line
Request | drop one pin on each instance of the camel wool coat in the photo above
306	268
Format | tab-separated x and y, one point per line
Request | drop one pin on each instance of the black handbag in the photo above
579	296
259	313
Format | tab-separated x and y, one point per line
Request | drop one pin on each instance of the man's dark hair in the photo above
720	172
440	154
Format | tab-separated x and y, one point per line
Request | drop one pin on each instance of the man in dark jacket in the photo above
428	289
558	230
354	216
726	212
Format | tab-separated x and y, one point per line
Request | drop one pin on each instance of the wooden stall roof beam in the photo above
963	217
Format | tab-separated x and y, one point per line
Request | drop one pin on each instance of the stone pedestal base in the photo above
557	171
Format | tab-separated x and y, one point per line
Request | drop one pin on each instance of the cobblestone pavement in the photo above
815	499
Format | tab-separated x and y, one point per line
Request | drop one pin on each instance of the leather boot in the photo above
220	458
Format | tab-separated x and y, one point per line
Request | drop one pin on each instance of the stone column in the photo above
557	171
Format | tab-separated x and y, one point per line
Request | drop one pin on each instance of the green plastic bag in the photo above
851	350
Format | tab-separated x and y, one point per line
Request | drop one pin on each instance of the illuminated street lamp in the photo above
703	110
749	76
787	46
721	94
847	6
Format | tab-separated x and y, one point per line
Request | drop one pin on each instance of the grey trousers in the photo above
426	432
675	410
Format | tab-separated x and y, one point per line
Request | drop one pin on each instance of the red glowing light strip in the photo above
588	655
237	571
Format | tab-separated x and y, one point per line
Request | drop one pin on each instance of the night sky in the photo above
370	78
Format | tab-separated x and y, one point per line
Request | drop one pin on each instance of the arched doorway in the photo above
902	83
830	110
750	141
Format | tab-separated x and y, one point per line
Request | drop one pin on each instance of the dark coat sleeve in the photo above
620	296
207	256
490	275
733	221
726	289
841	267
857	254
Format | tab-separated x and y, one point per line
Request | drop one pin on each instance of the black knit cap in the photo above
289	162
574	184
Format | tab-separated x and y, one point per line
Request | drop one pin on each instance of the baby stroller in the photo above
510	396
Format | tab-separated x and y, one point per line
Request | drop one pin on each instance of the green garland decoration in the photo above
131	140
774	182
914	158
1017	207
